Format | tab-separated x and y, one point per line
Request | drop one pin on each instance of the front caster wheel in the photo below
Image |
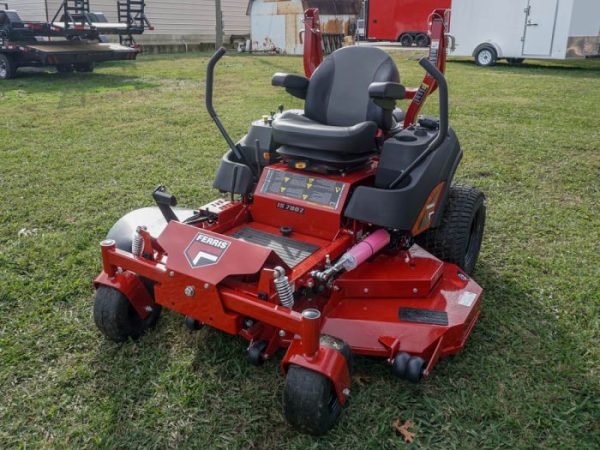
255	353
399	364
310	403
116	318
414	369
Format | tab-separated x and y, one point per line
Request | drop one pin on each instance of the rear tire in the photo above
486	57
310	403
422	40
8	68
116	318
458	238
406	40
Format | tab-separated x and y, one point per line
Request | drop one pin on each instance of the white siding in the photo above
176	21
32	10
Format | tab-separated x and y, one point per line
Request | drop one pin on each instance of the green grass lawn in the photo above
79	151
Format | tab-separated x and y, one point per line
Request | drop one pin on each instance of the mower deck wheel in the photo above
255	353
193	324
414	369
458	238
310	403
399	364
116	318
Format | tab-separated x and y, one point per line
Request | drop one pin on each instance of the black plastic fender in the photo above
122	231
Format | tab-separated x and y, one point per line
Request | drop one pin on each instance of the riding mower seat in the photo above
340	120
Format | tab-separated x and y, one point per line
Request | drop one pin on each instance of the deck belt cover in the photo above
291	251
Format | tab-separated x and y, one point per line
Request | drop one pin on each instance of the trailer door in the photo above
540	19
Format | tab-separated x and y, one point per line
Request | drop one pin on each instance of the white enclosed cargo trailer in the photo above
489	30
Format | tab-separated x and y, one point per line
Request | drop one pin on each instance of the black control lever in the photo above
165	202
443	128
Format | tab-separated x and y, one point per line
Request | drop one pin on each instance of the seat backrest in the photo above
338	90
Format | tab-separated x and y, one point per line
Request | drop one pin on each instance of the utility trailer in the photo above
519	29
75	38
405	21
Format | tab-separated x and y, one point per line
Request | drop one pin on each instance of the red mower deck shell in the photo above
404	302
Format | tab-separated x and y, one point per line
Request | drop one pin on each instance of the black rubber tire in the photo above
458	238
84	67
64	68
406	40
399	364
414	369
193	324
515	61
8	68
340	346
422	40
116	318
255	353
310	403
486	57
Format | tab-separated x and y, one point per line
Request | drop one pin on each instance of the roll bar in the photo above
210	75
443	127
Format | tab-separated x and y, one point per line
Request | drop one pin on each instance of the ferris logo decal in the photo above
205	250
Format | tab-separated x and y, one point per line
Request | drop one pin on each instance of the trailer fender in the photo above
491	45
122	231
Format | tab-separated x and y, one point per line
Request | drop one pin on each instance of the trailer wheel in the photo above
64	68
458	238
8	68
406	40
486	56
515	61
84	67
117	319
422	40
310	403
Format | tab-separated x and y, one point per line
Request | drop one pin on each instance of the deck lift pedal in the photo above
73	40
314	249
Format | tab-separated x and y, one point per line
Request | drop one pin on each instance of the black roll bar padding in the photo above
210	72
443	127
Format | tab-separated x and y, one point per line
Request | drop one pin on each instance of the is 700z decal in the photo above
205	250
291	208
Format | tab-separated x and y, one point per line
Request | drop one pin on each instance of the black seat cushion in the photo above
339	115
297	130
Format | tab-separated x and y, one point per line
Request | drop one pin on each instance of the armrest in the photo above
295	85
385	94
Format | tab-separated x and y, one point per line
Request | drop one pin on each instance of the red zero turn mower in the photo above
314	251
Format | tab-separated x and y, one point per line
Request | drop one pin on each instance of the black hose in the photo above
443	127
210	72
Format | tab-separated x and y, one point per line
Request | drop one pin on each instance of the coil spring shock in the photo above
283	288
137	244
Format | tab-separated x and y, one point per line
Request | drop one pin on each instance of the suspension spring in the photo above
137	244
283	288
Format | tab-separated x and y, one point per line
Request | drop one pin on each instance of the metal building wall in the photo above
34	10
175	21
